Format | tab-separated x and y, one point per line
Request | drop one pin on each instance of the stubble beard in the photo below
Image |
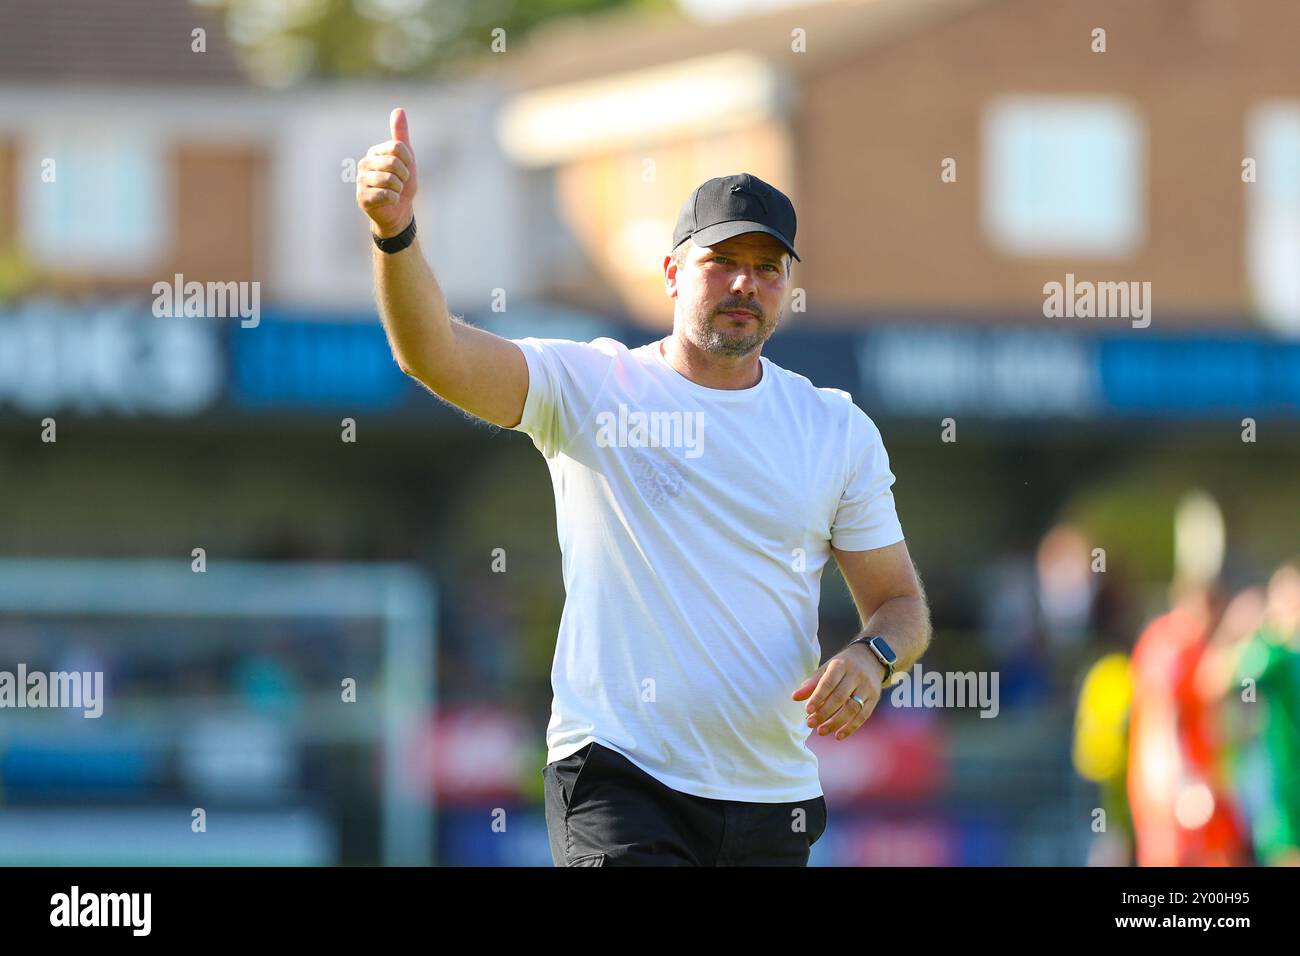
713	334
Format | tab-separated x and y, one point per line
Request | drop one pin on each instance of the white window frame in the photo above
1272	247
75	222
1051	144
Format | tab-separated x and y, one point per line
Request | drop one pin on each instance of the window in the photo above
1273	215
1063	175
95	198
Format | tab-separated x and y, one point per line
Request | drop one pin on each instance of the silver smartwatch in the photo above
884	653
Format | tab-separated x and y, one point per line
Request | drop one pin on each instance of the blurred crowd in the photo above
1193	736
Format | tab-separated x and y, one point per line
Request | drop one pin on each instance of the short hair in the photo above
678	254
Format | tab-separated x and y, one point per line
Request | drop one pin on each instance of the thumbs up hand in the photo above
386	180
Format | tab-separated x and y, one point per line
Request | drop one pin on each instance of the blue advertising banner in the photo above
117	358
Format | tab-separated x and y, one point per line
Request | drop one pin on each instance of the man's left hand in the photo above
854	670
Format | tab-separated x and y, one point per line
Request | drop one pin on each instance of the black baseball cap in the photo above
730	205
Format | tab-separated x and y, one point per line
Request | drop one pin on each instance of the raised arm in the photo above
471	368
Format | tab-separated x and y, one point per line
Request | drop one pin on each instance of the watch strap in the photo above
398	242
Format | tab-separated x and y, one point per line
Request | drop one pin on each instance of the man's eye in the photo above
719	258
769	265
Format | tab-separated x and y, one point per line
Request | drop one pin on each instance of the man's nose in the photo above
743	282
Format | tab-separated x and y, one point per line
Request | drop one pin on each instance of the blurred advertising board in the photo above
114	357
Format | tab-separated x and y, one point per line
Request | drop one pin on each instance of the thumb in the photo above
397	123
807	687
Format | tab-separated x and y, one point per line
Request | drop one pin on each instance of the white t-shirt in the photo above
694	524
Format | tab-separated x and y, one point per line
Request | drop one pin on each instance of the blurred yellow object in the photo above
1101	723
16	273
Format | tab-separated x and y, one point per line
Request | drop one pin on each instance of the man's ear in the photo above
670	276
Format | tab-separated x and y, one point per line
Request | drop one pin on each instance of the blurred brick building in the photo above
1125	164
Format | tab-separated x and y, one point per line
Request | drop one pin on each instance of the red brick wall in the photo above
879	229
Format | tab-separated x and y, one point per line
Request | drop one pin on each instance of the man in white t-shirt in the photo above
700	491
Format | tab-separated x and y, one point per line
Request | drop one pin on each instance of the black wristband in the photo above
398	242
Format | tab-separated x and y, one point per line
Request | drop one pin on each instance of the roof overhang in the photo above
703	95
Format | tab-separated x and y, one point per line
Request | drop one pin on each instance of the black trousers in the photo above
604	810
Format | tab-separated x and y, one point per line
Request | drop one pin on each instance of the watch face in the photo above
885	649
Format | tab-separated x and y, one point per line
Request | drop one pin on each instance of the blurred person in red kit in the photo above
1182	812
